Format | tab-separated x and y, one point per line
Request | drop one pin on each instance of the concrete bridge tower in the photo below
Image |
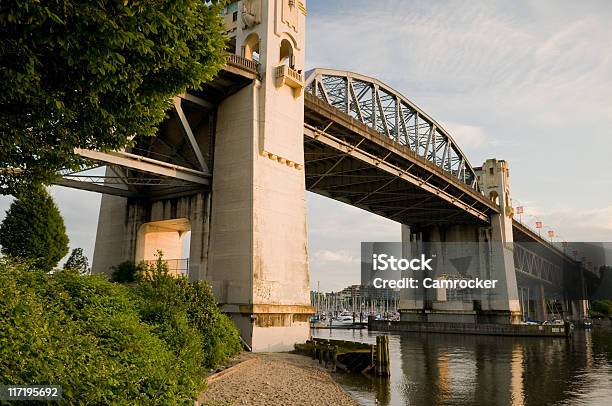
248	228
494	178
258	263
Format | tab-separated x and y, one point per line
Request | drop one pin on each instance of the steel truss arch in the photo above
387	111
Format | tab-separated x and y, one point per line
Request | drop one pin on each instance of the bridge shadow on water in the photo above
450	369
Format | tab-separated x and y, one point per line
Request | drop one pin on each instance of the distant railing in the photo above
175	266
284	70
292	73
242	63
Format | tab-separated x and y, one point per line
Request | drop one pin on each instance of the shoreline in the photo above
275	378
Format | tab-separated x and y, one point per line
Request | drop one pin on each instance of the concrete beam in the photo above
190	136
94	187
145	164
198	100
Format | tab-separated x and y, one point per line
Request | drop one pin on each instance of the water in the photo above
451	369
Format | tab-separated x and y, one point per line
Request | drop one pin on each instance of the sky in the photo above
529	82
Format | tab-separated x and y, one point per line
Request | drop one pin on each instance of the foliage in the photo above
78	262
85	334
126	272
34	229
93	74
108	343
600	308
167	298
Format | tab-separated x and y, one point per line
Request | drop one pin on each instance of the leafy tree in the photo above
34	229
93	74
78	262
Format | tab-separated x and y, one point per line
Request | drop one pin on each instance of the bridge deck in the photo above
350	162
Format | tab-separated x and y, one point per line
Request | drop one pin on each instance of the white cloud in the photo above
327	257
466	136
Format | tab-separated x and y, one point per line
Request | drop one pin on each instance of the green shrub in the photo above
85	334
164	298
601	308
107	343
125	272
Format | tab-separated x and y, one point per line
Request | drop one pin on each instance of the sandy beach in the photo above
276	379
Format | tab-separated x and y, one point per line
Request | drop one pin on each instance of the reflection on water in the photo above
449	369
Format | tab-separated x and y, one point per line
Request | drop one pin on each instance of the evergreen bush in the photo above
125	272
34	229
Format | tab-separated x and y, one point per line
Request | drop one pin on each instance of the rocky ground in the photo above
276	379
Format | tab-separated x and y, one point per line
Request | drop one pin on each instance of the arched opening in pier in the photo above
171	237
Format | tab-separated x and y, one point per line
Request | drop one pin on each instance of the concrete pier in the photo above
468	250
248	232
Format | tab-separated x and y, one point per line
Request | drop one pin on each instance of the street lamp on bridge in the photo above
519	211
538	225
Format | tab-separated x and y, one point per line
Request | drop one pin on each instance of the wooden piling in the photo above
349	356
382	359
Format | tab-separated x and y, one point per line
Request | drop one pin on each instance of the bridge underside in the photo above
178	160
350	162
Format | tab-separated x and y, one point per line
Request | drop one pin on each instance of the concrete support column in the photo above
411	303
258	262
541	310
113	242
579	310
502	305
580	307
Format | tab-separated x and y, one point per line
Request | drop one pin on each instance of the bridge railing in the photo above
284	70
175	266
243	63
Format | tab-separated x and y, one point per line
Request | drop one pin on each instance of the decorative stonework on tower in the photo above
494	180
